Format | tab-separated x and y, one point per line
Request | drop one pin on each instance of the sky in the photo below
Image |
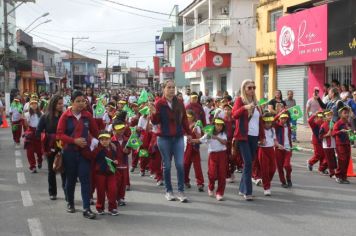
108	26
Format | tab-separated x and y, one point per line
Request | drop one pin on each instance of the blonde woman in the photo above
248	132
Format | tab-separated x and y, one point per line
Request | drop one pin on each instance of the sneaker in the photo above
181	197
289	184
100	212
219	197
89	214
248	198
284	185
160	183
324	172
39	166
142	173
53	197
33	170
210	193
258	182
239	171
152	176
338	180
267	192
128	188
122	202
170	196
114	212
188	185
310	167
70	208
92	202
201	188
241	194
345	181
132	169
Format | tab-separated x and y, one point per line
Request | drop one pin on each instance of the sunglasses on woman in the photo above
251	87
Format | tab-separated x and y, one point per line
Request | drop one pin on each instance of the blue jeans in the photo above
172	147
294	133
248	150
77	166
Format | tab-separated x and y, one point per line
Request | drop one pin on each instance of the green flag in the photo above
129	111
296	148
143	97
331	125
110	164
134	141
145	111
263	101
143	153
150	96
17	106
295	112
209	129
99	108
199	124
352	135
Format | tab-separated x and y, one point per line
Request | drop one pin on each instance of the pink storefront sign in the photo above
302	37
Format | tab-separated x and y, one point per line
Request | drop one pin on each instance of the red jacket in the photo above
280	129
341	138
240	114
324	129
64	133
165	119
121	156
99	153
198	111
316	140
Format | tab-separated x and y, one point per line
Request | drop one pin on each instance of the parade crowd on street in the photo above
100	138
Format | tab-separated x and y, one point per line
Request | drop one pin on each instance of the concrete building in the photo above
218	38
173	47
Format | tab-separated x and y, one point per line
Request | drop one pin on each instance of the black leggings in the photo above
52	182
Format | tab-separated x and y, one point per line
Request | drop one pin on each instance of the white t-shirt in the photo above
16	116
33	120
254	124
207	111
270	137
186	100
26	107
142	123
106	118
219	113
325	143
313	105
132	99
213	144
286	138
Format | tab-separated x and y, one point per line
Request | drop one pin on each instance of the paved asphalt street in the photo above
316	205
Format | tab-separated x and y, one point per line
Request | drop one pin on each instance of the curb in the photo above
308	150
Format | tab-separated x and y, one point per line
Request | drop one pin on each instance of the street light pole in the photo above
44	15
44	22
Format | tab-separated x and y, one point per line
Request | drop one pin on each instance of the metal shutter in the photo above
296	79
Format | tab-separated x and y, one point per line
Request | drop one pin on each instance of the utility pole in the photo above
6	49
113	52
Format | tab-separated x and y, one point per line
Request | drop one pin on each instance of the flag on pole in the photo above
199	124
143	153
110	164
263	101
134	141
100	108
295	112
129	111
145	111
209	129
143	97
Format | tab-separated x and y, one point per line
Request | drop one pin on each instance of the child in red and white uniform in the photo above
329	144
33	143
217	158
266	153
105	178
343	147
146	136
109	115
284	150
192	155
156	159
230	129
122	175
16	110
315	122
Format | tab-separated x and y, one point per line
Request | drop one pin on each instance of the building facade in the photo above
218	38
173	48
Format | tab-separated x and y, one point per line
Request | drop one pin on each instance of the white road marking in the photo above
21	178
35	227
19	163
17	153
26	198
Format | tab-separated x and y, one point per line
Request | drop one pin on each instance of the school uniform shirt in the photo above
33	120
16	115
213	144
142	123
327	142
341	138
219	113
270	137
207	111
315	127
198	111
287	144
253	124
26	107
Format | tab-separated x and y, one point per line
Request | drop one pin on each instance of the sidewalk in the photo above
304	135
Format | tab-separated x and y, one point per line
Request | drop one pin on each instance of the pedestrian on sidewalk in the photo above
278	99
32	142
352	104
343	148
47	127
290	102
16	111
75	127
170	116
315	122
248	132
313	104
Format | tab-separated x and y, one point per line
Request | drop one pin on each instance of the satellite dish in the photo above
226	31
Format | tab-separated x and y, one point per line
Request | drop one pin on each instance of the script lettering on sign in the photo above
193	61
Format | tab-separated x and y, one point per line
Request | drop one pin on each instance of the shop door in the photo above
295	79
223	83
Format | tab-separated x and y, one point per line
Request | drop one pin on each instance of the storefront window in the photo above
209	84
265	80
223	83
343	74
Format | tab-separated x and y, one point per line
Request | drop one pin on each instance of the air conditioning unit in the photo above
225	11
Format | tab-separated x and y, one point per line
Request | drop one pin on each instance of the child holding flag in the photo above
192	154
216	139
284	150
343	147
315	121
328	142
106	160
